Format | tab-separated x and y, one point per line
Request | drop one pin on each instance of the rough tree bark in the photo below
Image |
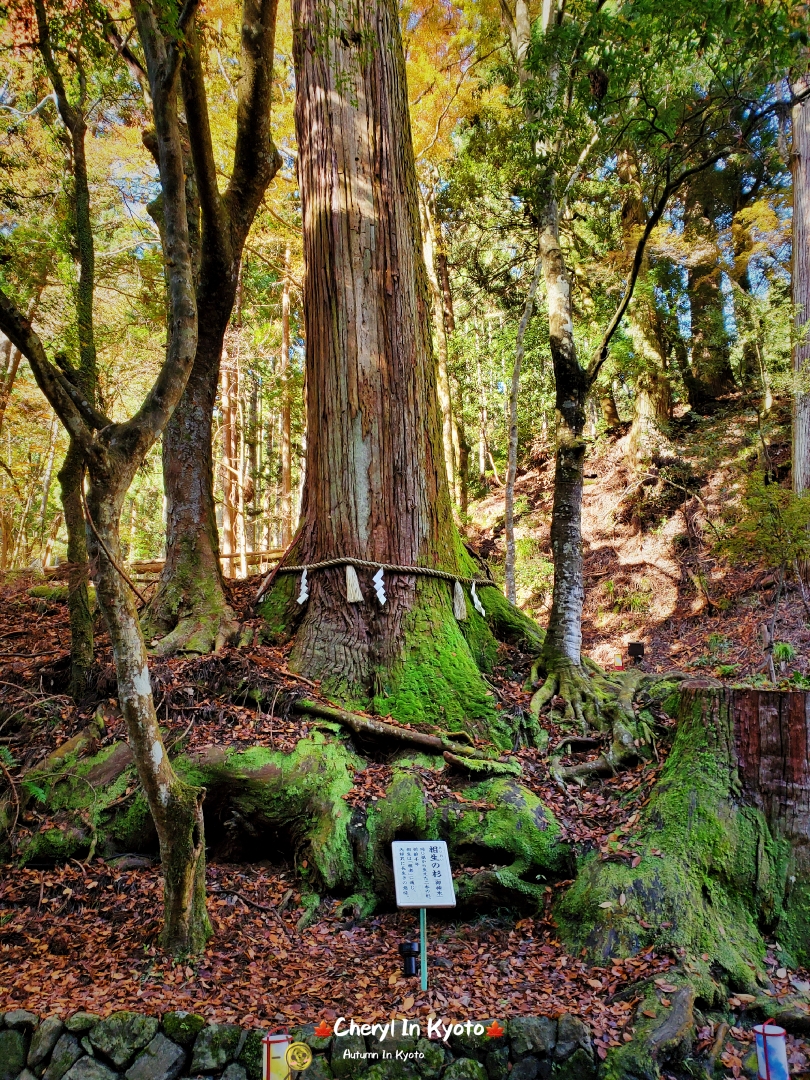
286	409
710	362
189	611
375	479
113	452
800	285
451	442
731	818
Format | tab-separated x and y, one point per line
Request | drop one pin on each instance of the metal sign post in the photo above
423	946
423	879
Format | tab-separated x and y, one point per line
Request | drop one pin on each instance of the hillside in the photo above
652	573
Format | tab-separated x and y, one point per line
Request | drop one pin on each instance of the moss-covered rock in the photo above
215	1047
317	1043
497	1064
82	1022
465	1069
580	1066
182	1027
122	1035
532	1035
251	1056
12	1053
349	1056
430	1064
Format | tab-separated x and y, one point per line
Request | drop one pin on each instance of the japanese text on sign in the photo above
422	874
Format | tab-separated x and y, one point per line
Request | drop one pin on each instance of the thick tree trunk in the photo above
190	608
451	442
710	348
723	842
652	410
772	733
609	409
800	168
375	479
286	410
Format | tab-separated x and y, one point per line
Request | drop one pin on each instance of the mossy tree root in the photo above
452	751
189	613
593	701
197	633
261	800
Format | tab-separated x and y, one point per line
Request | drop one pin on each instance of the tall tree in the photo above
800	168
84	373
376	487
113	452
190	611
684	109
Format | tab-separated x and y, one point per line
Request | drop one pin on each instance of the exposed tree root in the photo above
368	725
198	634
594	701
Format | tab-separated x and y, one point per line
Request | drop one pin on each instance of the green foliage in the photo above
7	757
636	598
783	651
771	524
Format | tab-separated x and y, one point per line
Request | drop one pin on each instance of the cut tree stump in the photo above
772	735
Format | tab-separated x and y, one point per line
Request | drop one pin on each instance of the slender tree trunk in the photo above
511	470
12	363
176	807
252	462
228	461
286	409
482	422
564	634
375	478
800	167
47	478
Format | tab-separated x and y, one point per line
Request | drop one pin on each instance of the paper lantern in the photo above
771	1052
274	1055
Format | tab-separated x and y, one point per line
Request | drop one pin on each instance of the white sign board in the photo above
422	874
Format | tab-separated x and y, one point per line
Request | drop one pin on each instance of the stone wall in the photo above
182	1045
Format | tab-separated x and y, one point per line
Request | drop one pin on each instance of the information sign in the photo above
422	874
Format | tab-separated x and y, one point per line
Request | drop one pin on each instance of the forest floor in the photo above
84	935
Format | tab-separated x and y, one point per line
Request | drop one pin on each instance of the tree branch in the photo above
50	381
214	214
256	159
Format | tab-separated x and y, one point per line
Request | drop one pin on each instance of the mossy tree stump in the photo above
723	843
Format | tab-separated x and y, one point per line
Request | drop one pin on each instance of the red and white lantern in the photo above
274	1055
772	1063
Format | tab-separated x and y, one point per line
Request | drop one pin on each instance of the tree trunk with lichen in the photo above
175	806
84	376
376	485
